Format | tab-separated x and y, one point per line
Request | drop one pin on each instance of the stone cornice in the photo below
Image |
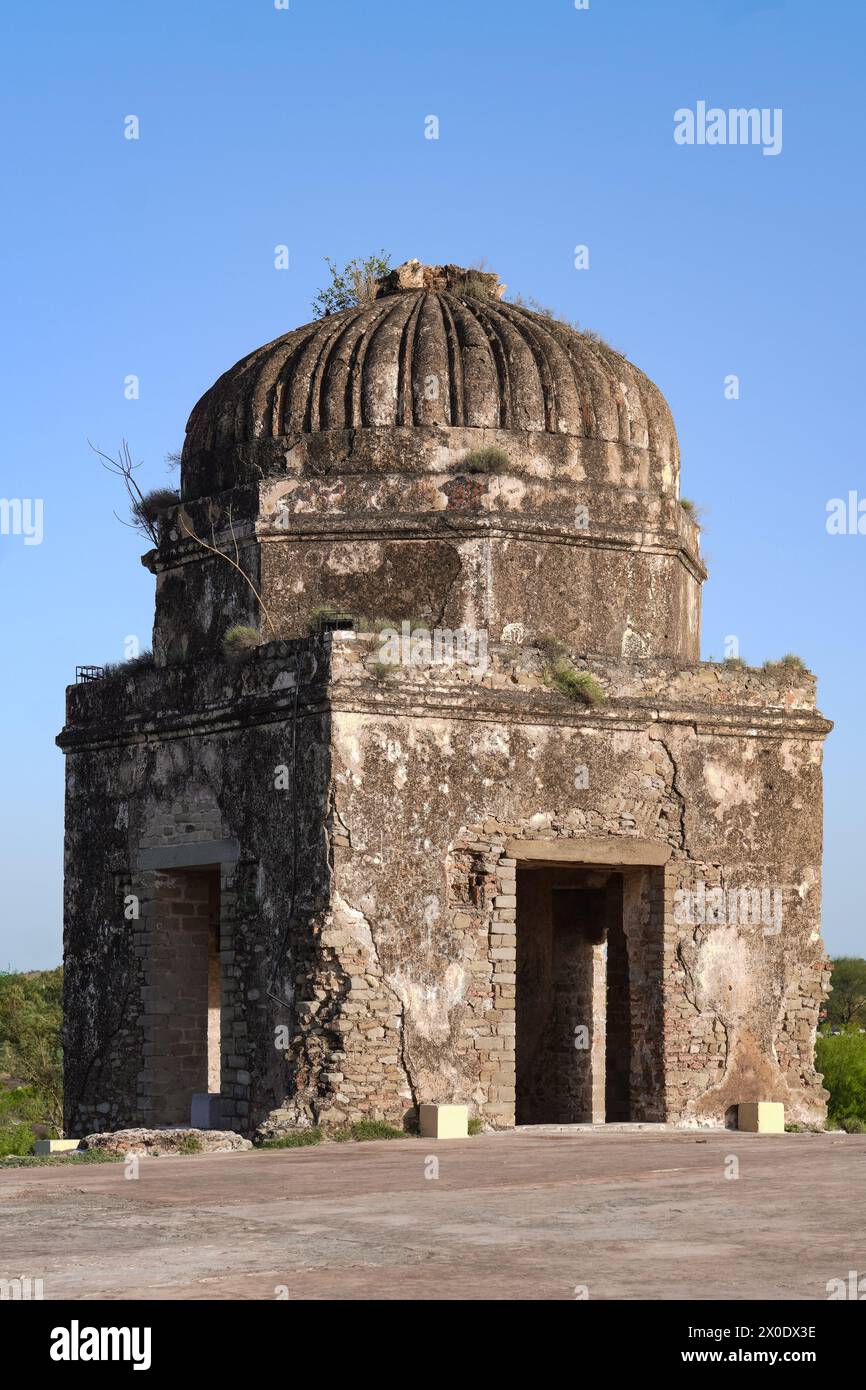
472	704
436	526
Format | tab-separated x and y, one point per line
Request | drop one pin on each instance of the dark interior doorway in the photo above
573	1010
184	976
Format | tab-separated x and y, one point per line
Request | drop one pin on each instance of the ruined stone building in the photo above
546	863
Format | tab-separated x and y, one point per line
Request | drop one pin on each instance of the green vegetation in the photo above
355	284
239	641
61	1160
362	1130
119	668
296	1139
841	1060
189	1145
382	670
691	509
148	509
736	663
22	1120
31	1070
790	662
846	1004
488	460
576	685
544	310
561	674
476	1125
474	285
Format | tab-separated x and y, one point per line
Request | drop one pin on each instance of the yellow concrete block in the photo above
444	1121
761	1116
56	1146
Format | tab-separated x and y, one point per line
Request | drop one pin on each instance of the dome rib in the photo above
455	364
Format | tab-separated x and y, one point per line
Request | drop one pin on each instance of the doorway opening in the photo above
573	1047
184	1005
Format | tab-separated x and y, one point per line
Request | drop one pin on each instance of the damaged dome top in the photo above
436	347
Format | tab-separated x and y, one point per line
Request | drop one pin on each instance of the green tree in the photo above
31	1014
846	1005
354	284
841	1060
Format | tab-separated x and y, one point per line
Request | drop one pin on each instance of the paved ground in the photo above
510	1216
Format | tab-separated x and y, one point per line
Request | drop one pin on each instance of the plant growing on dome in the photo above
487	460
355	284
533	306
478	282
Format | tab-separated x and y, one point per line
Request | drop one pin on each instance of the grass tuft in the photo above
59	1160
363	1130
575	685
239	641
544	311
122	668
149	508
295	1139
691	509
382	670
487	460
561	674
790	663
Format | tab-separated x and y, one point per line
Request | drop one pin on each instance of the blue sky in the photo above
305	127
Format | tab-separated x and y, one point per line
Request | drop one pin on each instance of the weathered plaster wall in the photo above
416	794
583	537
734	800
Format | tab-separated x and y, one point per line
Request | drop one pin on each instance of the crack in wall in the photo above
676	788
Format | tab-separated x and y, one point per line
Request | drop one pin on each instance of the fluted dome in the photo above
438	348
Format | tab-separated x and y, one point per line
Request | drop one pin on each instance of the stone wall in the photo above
379	823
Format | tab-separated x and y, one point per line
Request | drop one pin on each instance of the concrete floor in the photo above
510	1216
